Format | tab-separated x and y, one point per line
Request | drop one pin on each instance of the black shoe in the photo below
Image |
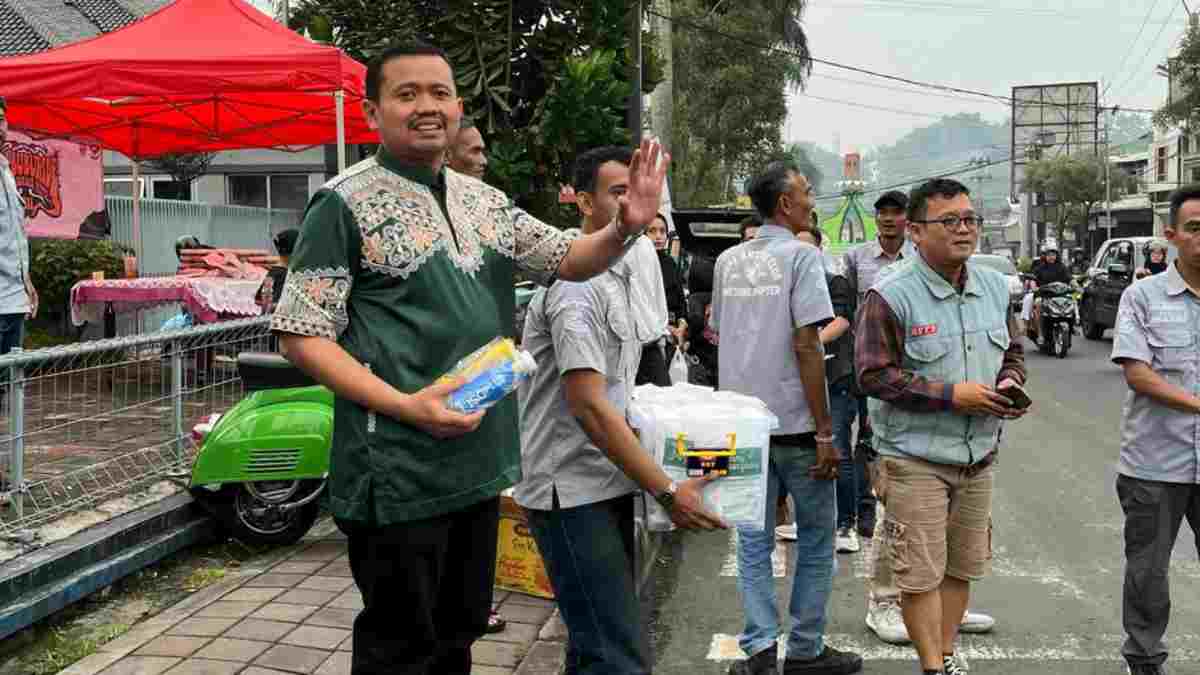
1147	669
830	662
765	662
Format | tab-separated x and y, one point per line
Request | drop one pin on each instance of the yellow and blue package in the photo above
490	373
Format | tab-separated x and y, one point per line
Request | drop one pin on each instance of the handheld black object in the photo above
1017	395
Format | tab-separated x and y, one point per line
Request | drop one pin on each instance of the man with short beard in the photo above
404	267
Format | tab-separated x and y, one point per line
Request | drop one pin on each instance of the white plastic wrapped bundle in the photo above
733	430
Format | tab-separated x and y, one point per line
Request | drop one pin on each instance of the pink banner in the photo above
61	182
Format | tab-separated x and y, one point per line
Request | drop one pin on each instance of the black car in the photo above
1113	271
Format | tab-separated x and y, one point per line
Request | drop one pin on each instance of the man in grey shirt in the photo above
582	464
18	299
1158	479
769	301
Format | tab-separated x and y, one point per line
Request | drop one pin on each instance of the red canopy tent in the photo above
197	75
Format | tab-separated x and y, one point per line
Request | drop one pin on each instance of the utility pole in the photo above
981	176
635	99
662	102
1108	172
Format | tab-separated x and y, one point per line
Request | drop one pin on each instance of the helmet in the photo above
1047	250
1157	245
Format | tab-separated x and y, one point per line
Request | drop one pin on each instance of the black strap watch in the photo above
666	498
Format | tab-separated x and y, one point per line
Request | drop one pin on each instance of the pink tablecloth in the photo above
205	297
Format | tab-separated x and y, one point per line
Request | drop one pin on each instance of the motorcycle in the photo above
261	466
1057	318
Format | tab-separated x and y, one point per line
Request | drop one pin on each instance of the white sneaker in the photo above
975	622
846	540
954	664
786	532
886	621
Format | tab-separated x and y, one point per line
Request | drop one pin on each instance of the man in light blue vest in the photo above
934	344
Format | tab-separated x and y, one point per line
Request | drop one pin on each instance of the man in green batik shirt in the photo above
402	268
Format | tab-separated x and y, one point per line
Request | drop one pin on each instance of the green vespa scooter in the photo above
262	466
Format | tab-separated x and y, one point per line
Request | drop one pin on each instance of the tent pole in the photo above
339	98
137	215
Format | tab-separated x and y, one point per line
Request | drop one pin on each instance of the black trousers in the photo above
1154	512
653	369
427	591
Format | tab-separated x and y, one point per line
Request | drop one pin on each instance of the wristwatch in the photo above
666	498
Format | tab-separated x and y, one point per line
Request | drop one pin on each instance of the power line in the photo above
948	174
686	23
898	111
1132	44
1153	44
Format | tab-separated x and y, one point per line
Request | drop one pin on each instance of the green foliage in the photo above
1183	105
1025	264
729	97
1073	185
67	647
517	66
57	264
577	113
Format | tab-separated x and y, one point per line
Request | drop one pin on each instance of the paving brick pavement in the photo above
294	616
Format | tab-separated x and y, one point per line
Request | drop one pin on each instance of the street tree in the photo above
519	67
733	64
1183	104
1073	187
183	168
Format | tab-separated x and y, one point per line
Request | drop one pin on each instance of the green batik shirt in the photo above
409	272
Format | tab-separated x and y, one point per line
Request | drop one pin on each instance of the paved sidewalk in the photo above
294	616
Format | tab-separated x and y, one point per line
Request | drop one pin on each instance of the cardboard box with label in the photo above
519	566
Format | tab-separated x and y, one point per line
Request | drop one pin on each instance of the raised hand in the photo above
646	178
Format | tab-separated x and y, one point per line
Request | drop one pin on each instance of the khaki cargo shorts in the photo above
938	521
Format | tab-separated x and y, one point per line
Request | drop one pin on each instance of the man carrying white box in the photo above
769	300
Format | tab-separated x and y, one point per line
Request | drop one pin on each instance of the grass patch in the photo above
64	647
201	577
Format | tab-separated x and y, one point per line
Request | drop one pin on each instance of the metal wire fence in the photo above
93	422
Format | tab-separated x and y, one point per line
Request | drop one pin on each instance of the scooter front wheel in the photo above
271	513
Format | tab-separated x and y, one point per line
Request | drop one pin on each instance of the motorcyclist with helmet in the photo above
1047	270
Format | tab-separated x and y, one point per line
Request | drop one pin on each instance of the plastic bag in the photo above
691	430
678	370
491	372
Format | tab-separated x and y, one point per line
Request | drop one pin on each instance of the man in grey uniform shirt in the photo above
1158	481
18	299
769	301
581	463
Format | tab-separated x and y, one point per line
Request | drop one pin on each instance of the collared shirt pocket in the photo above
926	356
1172	345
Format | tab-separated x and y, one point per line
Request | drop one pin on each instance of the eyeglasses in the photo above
951	221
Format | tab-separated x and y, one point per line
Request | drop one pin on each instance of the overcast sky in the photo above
984	45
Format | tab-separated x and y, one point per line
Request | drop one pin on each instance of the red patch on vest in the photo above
919	331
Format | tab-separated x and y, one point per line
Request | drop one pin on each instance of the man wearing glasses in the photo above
934	343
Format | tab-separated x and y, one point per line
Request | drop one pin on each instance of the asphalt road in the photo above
1056	584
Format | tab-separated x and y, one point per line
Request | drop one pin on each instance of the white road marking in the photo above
778	558
1066	647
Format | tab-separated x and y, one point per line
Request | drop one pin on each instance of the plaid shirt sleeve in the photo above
1014	357
879	349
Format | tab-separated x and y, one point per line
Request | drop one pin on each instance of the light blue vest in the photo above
949	337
